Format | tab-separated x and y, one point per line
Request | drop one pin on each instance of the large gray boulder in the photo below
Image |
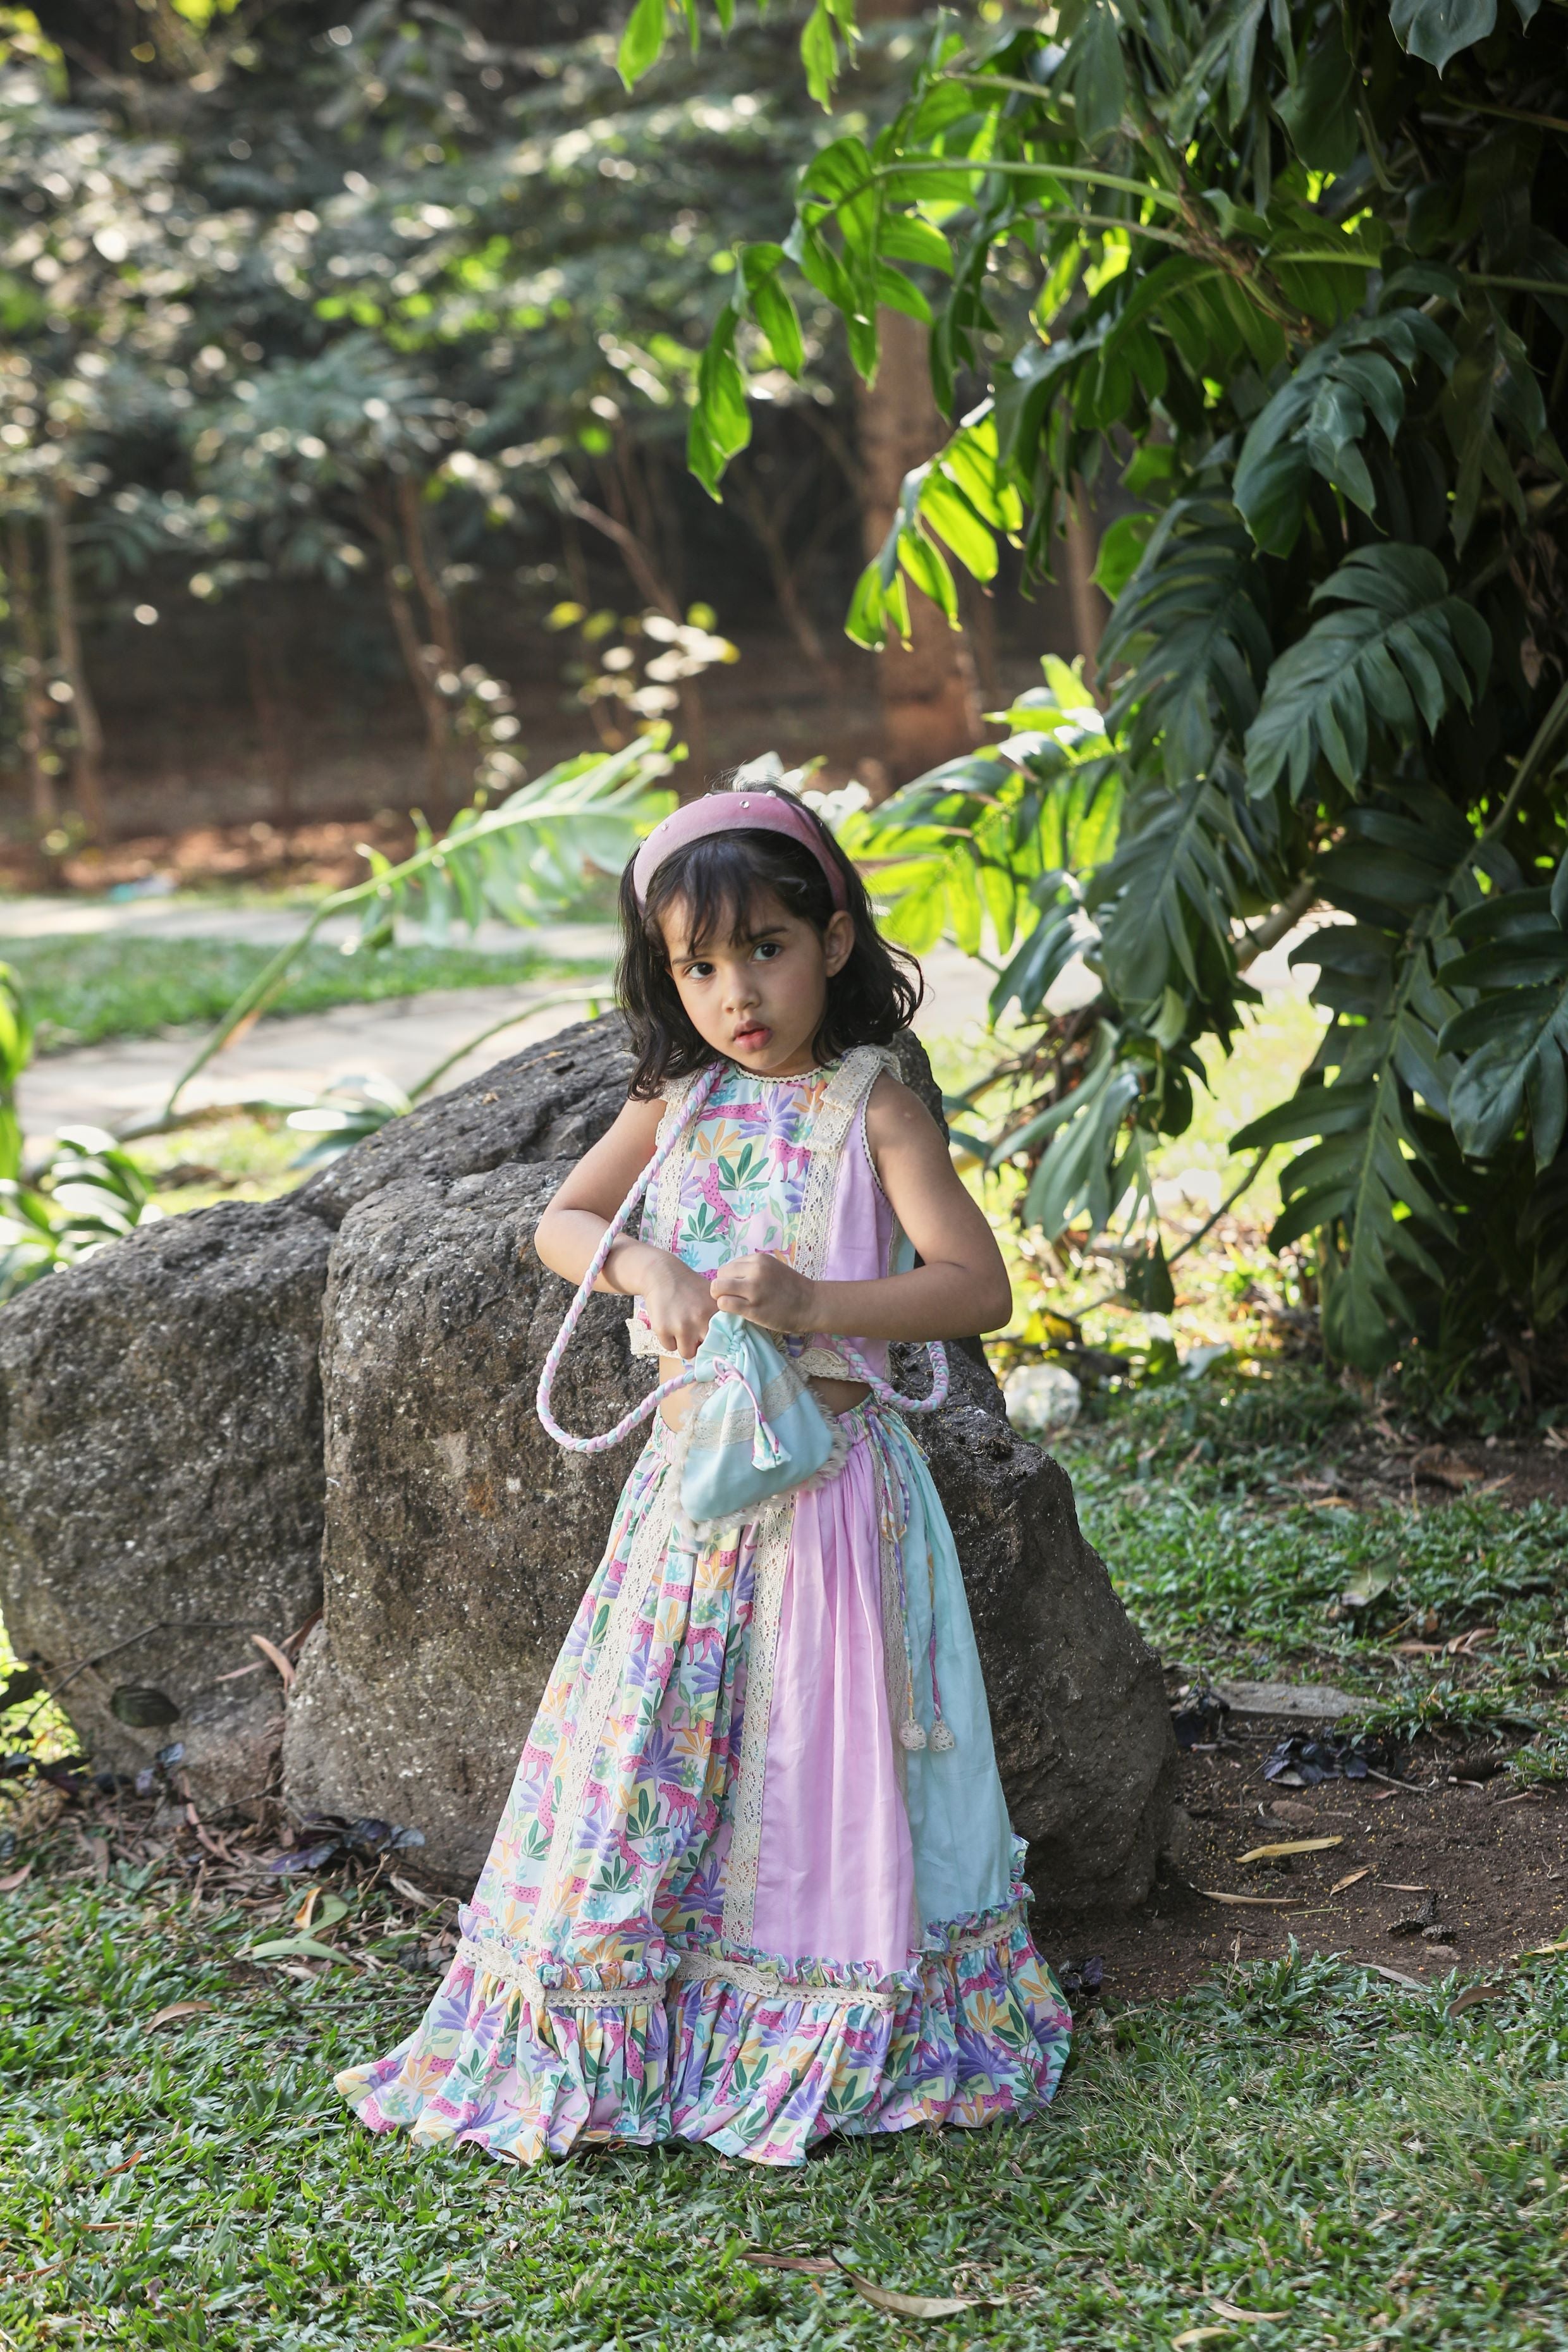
161	1483
459	1539
175	1476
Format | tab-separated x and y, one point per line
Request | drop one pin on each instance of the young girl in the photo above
755	1882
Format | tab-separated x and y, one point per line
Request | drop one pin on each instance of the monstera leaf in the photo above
1316	422
1437	30
1183	863
1190	624
1516	1036
1399	650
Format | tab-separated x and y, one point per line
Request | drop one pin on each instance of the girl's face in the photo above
760	996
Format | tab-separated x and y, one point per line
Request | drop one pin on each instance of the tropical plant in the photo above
1297	276
15	1053
521	861
88	1193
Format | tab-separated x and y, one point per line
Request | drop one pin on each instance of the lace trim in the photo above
980	1939
895	1639
843	1439
841	1101
778	1395
774	1529
700	1967
661	1211
491	1958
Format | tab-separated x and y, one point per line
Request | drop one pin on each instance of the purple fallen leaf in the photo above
303	1857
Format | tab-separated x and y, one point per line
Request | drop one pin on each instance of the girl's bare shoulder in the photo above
897	1118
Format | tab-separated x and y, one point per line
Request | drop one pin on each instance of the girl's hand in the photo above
680	1306
766	1291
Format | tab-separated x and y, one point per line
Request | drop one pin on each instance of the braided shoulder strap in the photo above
613	1231
891	1396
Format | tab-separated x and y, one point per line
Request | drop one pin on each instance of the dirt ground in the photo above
321	854
1492	1858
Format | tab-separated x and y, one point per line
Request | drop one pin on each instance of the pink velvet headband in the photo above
761	812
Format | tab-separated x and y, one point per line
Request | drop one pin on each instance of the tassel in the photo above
911	1734
941	1738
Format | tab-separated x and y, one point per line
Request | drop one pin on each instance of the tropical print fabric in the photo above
744	1169
609	1983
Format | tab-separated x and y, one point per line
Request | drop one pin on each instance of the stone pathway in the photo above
402	1039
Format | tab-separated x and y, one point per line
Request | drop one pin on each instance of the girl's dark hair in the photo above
873	996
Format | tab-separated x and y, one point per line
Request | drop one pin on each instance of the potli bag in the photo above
760	1433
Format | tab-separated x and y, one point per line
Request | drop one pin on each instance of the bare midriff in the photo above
833	1396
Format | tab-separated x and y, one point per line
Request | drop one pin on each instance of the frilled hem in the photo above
726	2053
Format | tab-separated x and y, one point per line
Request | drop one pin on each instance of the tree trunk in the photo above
766	518
438	725
272	715
655	590
1088	605
443	621
34	697
930	709
397	578
86	762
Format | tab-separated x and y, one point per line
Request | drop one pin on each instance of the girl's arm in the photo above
680	1303
961	1288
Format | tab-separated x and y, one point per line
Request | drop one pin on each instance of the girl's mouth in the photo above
753	1040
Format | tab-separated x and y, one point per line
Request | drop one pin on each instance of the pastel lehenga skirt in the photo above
727	1903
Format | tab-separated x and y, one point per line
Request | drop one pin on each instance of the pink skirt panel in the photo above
835	1874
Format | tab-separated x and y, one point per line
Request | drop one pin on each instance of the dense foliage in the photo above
402	299
1297	276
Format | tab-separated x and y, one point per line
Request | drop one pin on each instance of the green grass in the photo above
87	990
1189	1491
1295	2137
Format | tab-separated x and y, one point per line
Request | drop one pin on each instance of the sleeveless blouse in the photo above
782	1167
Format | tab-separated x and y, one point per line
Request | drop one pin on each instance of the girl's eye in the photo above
767	946
698	972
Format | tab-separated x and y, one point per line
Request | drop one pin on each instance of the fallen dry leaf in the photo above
1382	1796
1291	1845
271	1651
1350	1878
1250	1902
123	2167
1473	1995
813	2265
414	1894
1397	1886
912	2307
1540	1951
1394	1976
15	1878
174	2009
1196	2335
1234	2311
